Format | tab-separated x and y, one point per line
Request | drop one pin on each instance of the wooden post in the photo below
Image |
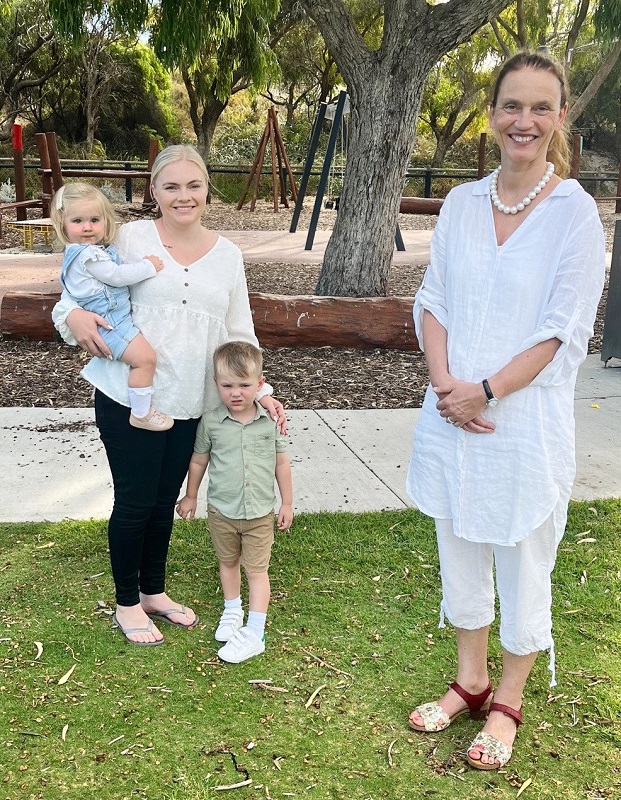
618	200
154	149
481	159
52	149
18	167
46	177
252	173
575	157
275	178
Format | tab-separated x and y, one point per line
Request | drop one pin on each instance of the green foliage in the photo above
352	646
607	19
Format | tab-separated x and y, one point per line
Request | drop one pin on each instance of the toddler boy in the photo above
244	451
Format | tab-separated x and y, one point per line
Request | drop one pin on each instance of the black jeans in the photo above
148	468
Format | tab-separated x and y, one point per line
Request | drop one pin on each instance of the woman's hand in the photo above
276	410
461	404
83	325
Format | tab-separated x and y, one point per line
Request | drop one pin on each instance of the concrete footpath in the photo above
53	465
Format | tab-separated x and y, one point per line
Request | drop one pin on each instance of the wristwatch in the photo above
491	400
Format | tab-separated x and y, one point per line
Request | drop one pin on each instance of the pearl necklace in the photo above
493	190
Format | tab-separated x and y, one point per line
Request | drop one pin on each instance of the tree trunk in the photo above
386	88
605	68
212	111
382	129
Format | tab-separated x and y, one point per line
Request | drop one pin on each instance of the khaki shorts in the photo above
248	539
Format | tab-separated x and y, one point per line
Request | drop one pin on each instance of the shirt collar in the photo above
223	412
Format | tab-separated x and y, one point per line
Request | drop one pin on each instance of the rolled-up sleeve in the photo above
432	294
572	306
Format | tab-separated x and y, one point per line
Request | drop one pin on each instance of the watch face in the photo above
493	401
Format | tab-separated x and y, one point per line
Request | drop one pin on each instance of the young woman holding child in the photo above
504	315
195	303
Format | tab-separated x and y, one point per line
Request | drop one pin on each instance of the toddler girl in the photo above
93	277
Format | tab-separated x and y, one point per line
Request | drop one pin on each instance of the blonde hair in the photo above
72	194
177	152
558	149
238	358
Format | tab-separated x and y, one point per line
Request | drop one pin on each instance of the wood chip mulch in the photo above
46	374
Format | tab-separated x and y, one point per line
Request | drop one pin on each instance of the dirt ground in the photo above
44	374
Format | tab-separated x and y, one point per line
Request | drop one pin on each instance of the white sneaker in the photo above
242	645
231	621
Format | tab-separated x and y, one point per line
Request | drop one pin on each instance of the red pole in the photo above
18	167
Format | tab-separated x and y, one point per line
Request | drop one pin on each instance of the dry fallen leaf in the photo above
66	676
524	786
63	735
39	647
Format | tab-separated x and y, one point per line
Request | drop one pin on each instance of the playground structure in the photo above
52	178
272	135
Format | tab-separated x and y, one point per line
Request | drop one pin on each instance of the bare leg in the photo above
142	359
230	578
259	591
515	672
471	670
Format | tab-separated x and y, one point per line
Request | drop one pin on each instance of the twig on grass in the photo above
326	665
309	702
232	786
390	746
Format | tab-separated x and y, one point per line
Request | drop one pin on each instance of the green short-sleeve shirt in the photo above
242	463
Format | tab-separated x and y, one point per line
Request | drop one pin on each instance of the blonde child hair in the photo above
238	358
72	194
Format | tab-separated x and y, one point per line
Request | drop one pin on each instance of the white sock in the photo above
140	400
256	623
235	603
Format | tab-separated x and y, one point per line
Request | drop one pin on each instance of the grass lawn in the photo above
352	645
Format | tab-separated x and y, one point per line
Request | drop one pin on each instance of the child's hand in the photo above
186	507
156	261
285	517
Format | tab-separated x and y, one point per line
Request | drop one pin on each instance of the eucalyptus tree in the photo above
30	55
219	46
386	85
456	93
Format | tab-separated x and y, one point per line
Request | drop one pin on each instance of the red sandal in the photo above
492	747
436	719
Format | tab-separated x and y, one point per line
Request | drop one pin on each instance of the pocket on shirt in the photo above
264	445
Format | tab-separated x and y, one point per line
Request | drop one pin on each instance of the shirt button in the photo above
186	269
184	302
186	284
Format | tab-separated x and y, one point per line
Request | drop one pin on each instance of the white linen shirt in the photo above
495	302
185	313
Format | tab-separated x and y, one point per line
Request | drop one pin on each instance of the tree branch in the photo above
572	37
340	33
605	68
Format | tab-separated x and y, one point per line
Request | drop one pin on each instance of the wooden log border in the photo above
279	320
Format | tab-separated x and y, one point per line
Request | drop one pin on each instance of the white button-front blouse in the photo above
495	301
185	313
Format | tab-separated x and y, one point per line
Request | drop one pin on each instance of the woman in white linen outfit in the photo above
504	316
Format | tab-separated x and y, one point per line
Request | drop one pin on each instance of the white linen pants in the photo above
523	582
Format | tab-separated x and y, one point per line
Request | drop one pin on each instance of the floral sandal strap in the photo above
435	718
493	748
